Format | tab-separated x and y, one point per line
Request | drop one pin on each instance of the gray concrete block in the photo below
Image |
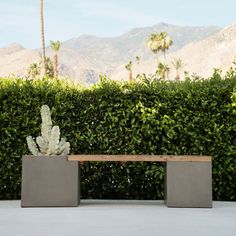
188	184
49	181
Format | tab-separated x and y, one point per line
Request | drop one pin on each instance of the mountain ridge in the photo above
201	57
85	55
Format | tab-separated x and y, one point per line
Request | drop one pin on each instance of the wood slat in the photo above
134	158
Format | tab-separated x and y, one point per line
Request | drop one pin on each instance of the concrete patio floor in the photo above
117	218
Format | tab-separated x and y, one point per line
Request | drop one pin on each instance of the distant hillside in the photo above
105	54
13	48
15	60
85	57
216	51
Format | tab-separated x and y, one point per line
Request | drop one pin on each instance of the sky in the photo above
66	19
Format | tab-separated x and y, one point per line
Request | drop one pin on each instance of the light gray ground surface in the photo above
117	218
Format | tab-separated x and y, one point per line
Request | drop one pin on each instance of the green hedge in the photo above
152	117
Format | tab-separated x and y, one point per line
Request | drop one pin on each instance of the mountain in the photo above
10	49
15	60
85	57
201	57
106	54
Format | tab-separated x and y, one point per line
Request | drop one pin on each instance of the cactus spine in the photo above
49	142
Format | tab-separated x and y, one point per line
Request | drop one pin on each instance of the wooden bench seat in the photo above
134	158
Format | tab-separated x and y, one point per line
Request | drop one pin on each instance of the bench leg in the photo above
188	184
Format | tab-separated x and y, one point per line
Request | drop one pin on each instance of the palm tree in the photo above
49	67
163	70
55	45
154	44
178	64
160	42
137	60
165	42
42	39
128	67
33	70
138	65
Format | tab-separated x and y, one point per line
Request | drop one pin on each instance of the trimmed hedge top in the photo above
192	117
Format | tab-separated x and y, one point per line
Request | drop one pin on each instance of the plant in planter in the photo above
49	142
48	178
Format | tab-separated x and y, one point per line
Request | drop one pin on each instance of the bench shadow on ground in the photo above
119	203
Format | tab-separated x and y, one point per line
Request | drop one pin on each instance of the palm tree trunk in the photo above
163	76
55	65
42	39
130	76
167	75
177	77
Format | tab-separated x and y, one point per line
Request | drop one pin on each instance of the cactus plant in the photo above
49	142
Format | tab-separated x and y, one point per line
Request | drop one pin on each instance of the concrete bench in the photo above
188	179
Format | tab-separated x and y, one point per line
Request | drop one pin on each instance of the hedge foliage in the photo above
192	117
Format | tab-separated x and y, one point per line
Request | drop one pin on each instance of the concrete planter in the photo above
49	182
188	184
